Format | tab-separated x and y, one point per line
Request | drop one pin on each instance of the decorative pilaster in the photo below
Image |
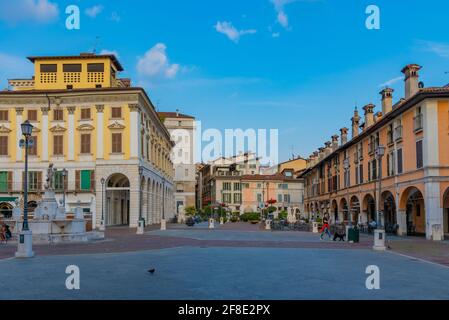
71	134
135	130
19	120
100	131
44	150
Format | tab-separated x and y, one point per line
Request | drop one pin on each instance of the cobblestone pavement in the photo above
123	239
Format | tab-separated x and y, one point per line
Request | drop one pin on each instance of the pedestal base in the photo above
140	227
379	240
25	246
267	224
221	221
163	224
102	226
315	227
211	224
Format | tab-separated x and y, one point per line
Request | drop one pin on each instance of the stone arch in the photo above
149	202
369	208
388	208
6	209
344	209
117	199
355	209
412	200
446	212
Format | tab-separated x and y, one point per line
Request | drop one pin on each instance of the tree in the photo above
190	211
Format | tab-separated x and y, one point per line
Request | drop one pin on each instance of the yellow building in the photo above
97	126
408	185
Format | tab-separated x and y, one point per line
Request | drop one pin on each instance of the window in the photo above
390	138
362	180
390	164
419	154
32	115
59	181
49	68
418	120
85	180
85	143
116	143
85	114
95	67
73	67
3	145
287	198
237	198
399	158
3	115
116	112
259	198
186	172
58	114
398	130
227	186
237	186
32	150
227	197
34	180
279	198
58	145
283	186
4	181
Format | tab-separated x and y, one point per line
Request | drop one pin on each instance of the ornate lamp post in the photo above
163	222
25	246
64	176
140	223
379	233
102	222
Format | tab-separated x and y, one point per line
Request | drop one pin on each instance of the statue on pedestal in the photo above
50	183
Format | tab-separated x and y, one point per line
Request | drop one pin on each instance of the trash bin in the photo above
353	235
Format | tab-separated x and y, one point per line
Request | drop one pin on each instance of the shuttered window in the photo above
4	181
58	114
419	154
32	150
3	115
58	145
85	180
49	68
85	114
116	143
3	146
34	180
116	112
85	143
32	115
399	157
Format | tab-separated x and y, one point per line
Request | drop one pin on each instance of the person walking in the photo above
325	230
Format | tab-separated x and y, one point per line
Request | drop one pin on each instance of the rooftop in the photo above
80	56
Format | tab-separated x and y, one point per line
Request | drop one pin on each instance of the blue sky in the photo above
299	66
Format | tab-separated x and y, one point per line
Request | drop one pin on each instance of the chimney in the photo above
320	153
344	135
377	116
177	112
411	79
334	142
328	148
355	123
387	100
369	115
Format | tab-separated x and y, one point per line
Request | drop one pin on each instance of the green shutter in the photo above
3	181
85	179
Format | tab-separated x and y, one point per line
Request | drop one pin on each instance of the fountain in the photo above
50	223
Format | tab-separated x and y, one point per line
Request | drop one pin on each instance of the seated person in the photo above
340	232
8	234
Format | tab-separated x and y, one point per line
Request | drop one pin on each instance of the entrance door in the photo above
446	221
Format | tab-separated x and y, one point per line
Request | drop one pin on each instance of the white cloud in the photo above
391	82
279	6
439	48
41	11
231	32
155	63
94	11
106	51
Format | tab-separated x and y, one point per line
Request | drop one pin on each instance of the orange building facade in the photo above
345	178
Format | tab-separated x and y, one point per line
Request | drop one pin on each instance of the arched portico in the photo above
354	209
389	210
369	208
334	208
117	200
412	201
344	209
446	212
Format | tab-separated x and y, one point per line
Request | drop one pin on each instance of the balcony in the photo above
418	122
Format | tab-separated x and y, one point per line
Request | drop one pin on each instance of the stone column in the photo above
434	212
19	120
134	130
401	218
71	134
44	150
100	131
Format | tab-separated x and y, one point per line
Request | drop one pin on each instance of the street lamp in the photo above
25	246
140	223
102	222
346	167
64	175
163	222
379	233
